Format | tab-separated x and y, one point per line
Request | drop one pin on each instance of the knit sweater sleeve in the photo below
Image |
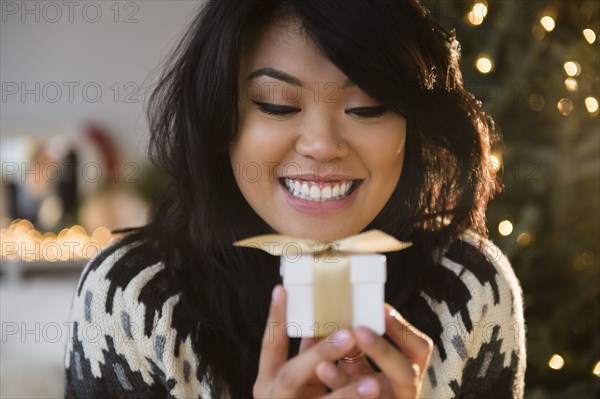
480	352
123	342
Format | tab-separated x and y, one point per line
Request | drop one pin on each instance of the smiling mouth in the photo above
319	191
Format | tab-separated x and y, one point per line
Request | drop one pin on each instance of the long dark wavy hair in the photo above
395	52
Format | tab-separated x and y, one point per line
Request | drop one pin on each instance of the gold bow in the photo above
331	275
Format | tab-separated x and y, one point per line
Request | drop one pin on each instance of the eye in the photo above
368	112
275	109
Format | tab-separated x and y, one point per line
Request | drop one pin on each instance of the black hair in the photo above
395	52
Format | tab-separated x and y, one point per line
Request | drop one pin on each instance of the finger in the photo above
331	376
360	367
366	388
275	343
415	344
301	368
307	343
400	370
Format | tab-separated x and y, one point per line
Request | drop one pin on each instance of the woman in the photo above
315	119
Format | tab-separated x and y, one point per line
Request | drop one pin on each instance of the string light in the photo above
592	105
547	22
565	106
21	242
571	84
524	238
484	64
495	162
596	369
477	13
505	227
572	68
556	362
589	35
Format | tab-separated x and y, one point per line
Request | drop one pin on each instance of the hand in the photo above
402	364
279	377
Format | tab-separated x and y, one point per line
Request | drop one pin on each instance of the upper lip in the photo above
328	177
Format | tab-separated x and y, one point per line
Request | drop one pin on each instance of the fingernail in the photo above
367	387
364	335
276	295
342	338
392	314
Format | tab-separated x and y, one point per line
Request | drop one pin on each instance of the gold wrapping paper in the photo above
332	289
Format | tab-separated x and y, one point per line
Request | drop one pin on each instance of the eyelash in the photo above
282	110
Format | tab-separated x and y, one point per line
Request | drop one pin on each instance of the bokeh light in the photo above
572	68
589	35
591	103
505	227
571	84
556	362
484	64
477	14
536	101
525	238
547	22
565	106
583	260
21	242
495	162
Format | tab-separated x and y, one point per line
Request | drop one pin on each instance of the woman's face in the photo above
296	108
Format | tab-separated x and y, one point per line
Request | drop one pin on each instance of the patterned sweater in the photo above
124	342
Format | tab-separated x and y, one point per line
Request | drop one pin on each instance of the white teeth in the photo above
315	193
336	191
304	191
311	191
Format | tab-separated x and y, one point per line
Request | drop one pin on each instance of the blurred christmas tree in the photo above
535	67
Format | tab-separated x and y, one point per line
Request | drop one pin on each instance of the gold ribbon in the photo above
331	268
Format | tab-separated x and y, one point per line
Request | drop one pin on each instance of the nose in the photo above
320	137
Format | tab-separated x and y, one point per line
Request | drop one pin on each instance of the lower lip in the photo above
307	206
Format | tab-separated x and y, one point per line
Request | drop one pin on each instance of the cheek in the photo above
386	157
257	134
389	169
386	154
396	146
257	153
249	140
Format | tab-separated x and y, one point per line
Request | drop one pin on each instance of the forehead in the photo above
279	32
286	46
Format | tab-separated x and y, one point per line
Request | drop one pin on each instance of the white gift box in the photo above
332	285
367	273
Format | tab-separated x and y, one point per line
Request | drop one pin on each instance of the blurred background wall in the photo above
75	77
73	134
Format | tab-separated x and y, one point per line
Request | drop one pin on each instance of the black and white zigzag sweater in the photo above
125	343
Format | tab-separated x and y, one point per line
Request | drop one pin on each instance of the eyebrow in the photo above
286	77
